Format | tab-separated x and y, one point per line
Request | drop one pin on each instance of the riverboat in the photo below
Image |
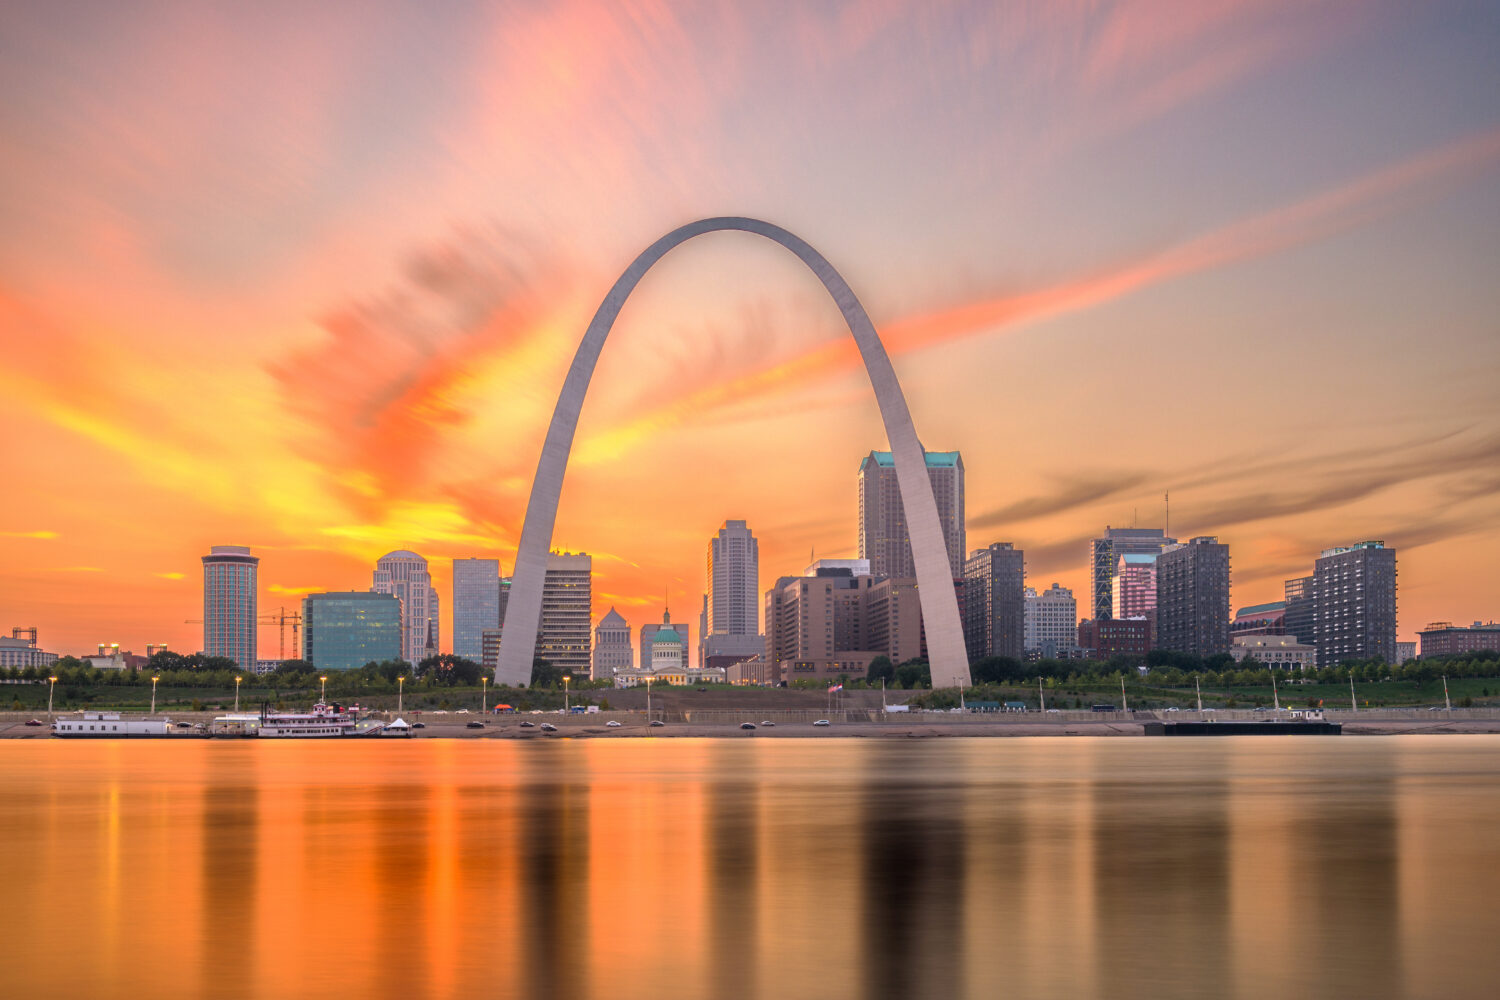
323	722
109	726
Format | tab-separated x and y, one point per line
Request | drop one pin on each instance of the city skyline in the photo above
1265	233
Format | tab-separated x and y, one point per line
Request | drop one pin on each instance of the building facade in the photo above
994	602
1260	619
1103	638
648	637
230	615
1300	616
1192	597
1279	652
884	538
476	604
1051	623
612	649
733	578
1354	597
820	618
22	652
1104	554
404	575
1133	586
1447	639
564	638
345	630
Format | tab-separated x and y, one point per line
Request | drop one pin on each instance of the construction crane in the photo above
281	617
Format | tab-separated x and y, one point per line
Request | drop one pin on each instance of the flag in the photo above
836	687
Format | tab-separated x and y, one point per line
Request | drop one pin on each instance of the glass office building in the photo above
346	630
476	604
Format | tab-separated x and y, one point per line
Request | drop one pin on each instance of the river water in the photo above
1045	867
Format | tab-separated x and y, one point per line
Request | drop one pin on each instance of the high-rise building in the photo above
733	581
1447	639
1110	637
476	605
833	613
1192	597
612	649
1133	587
229	604
1104	554
1354	593
994	602
346	630
1051	625
567	596
404	574
1300	617
883	535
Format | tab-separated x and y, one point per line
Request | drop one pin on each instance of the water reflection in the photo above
677	868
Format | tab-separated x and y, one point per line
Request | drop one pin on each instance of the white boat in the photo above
323	722
108	726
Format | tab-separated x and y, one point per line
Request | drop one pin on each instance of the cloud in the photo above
41	535
277	588
77	569
171	576
1071	493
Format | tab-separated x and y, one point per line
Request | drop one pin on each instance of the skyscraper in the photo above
1192	597
883	535
229	604
476	604
344	631
994	602
1104	555
405	575
1301	610
567	596
612	649
1051	623
730	625
1354	592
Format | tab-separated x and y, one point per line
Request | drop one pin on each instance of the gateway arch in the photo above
939	602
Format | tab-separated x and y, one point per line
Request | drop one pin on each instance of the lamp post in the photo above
237	693
323	696
648	699
154	679
484	695
51	686
400	691
566	679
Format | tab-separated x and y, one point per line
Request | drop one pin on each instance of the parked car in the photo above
657	722
768	722
613	723
747	725
548	727
822	722
476	724
419	725
183	725
34	722
462	711
528	725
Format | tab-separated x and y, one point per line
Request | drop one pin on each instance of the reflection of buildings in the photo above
346	630
404	575
229	604
994	602
1051	624
883	535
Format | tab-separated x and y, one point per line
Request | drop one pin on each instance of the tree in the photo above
450	670
914	674
881	669
544	674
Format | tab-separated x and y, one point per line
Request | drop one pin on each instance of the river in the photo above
1045	867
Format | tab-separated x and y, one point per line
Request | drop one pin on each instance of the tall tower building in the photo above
994	602
1354	592
405	575
733	578
1051	623
476	604
1301	610
1104	554
229	604
612	649
883	535
567	598
1192	597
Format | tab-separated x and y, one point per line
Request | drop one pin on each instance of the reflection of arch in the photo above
945	641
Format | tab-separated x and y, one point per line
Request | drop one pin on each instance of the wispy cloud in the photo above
171	576
41	535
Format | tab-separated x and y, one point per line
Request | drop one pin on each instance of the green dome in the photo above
666	634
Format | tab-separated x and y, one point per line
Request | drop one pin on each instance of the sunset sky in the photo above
307	277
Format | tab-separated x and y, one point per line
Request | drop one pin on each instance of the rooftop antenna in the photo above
1166	498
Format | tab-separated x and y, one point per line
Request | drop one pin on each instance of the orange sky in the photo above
310	283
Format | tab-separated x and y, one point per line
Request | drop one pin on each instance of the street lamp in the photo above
51	686
566	679
648	698
154	679
323	696
237	693
400	691
484	695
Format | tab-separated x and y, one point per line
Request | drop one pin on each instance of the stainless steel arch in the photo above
945	641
